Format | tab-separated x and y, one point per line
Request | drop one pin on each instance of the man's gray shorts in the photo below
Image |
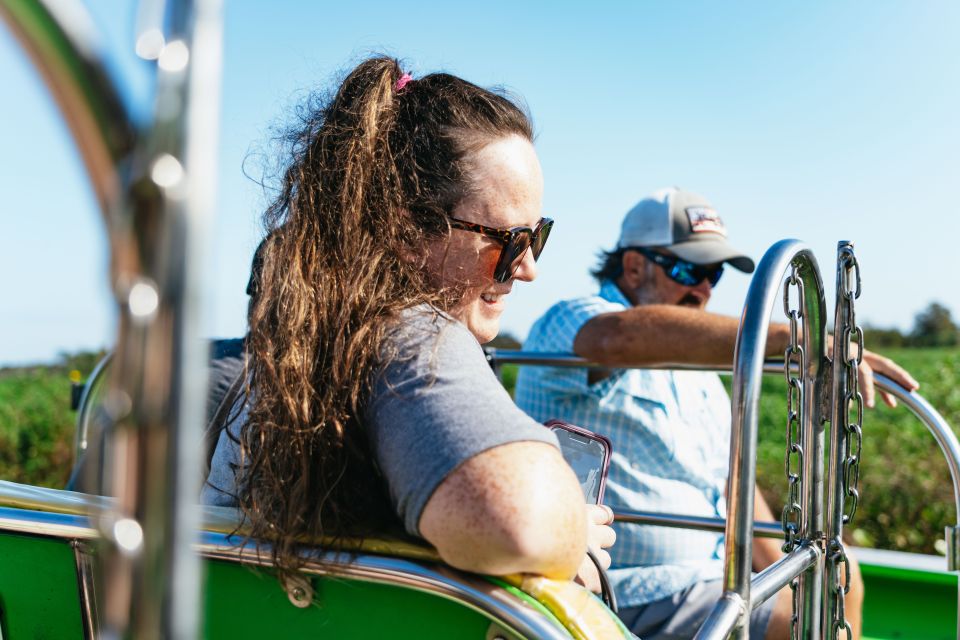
680	615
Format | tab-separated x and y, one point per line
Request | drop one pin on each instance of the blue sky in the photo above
820	121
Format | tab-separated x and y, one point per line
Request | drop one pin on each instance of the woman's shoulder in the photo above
426	329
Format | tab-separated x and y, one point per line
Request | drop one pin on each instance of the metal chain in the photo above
795	616
852	429
837	555
794	360
853	400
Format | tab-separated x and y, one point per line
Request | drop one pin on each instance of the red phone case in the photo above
607	448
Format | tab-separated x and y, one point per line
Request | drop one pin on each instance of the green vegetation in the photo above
932	327
36	423
906	496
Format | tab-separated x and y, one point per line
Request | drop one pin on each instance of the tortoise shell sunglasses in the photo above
515	241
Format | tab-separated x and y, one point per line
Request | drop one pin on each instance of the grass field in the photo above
906	494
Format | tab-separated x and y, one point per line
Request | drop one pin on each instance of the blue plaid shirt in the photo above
671	436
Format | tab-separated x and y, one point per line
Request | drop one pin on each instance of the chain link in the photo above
794	360
795	616
838	556
851	418
853	402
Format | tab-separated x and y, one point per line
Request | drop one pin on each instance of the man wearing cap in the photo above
670	429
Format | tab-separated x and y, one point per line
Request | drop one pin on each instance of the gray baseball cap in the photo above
684	223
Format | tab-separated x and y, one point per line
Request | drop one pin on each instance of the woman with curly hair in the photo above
408	209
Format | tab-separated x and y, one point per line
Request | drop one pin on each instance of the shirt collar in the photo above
611	292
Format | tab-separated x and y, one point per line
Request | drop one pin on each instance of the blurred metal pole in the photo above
60	40
157	393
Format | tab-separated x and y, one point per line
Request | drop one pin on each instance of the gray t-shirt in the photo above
436	405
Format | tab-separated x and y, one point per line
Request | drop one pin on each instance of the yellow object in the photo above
583	615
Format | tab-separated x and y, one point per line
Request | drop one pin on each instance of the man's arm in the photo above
664	334
515	508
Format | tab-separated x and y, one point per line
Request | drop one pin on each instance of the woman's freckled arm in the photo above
515	508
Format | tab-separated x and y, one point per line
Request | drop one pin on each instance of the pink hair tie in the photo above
402	82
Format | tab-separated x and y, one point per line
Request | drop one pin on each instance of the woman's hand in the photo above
600	537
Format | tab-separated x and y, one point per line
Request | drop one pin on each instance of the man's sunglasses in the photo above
681	271
515	243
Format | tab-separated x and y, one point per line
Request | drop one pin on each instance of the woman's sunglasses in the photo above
681	271
515	243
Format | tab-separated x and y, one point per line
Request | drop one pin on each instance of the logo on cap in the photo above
705	219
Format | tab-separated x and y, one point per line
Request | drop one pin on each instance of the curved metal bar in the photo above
768	582
43	523
682	521
723	618
96	377
937	425
60	39
749	356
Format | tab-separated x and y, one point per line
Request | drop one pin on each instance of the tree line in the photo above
932	327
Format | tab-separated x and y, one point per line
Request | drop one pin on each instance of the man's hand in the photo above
872	363
600	536
875	363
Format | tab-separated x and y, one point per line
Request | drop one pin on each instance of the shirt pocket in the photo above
641	400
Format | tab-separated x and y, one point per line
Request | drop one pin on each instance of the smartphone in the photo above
588	454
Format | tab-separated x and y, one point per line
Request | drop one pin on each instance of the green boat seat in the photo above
379	589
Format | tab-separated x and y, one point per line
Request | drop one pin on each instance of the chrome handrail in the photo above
64	47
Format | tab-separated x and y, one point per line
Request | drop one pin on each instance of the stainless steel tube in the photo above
723	618
682	521
778	575
749	356
838	447
62	43
158	377
809	585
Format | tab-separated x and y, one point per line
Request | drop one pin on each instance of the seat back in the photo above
225	388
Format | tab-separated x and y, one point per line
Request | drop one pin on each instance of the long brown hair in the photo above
373	172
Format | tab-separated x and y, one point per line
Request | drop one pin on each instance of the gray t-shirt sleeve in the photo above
220	489
435	406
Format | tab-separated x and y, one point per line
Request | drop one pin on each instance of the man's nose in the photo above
704	287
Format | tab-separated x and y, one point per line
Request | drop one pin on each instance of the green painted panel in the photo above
244	603
39	598
909	604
